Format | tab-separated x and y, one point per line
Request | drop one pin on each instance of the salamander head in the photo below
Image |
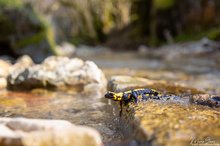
114	96
110	95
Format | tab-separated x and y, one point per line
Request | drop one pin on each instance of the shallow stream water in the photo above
94	110
77	108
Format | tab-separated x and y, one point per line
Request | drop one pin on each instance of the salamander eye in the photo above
109	95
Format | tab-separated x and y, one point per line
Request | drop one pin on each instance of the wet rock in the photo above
59	73
206	99
24	31
158	122
37	132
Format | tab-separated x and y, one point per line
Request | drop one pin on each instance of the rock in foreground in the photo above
156	122
59	73
36	132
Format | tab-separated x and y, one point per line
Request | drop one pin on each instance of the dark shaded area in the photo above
34	27
182	21
24	31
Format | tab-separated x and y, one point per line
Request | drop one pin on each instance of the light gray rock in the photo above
59	72
39	132
4	71
21	63
3	83
121	83
66	49
4	68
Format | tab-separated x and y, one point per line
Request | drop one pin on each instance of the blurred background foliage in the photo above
123	24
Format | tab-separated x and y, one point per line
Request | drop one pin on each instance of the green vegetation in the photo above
212	33
163	4
11	3
34	39
22	28
48	33
128	21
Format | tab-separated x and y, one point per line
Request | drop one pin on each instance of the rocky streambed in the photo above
43	104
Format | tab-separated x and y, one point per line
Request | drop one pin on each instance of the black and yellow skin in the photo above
137	95
134	95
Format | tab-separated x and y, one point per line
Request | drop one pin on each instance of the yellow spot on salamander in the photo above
139	96
129	96
118	96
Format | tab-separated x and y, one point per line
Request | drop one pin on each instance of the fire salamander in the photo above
135	96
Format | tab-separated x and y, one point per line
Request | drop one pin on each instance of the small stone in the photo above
66	49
